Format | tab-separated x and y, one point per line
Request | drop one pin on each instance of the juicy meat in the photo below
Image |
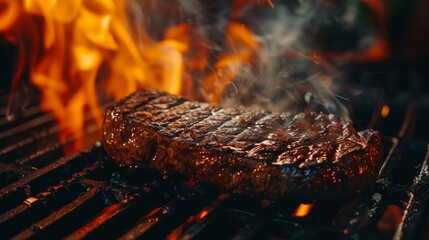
309	156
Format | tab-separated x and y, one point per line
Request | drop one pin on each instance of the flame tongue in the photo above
80	38
242	48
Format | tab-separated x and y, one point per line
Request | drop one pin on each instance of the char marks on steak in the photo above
307	156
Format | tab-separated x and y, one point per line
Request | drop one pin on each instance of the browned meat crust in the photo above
308	156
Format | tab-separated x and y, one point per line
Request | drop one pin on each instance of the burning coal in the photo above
252	54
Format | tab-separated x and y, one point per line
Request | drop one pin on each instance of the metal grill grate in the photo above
86	195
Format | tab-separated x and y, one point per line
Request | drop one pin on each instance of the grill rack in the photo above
86	195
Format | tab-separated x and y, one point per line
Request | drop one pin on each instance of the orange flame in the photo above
242	47
77	44
385	111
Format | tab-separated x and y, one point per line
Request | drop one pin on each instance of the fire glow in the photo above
303	210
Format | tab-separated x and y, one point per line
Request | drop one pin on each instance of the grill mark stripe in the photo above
198	119
237	122
150	99
156	110
174	128
165	120
246	131
279	147
216	111
229	118
131	99
157	103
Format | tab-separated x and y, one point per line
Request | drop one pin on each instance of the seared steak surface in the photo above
308	156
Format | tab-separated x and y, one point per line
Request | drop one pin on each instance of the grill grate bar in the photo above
62	221
418	197
28	106
38	140
28	114
42	157
160	221
41	122
206	223
45	177
99	225
35	208
33	135
115	218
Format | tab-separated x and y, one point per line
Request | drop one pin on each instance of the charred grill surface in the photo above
273	155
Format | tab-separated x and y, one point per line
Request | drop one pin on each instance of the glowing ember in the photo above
303	210
385	111
203	214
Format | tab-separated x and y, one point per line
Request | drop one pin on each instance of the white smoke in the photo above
286	77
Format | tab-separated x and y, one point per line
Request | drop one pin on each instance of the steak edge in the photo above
307	156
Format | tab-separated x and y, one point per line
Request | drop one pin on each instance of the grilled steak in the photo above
309	156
